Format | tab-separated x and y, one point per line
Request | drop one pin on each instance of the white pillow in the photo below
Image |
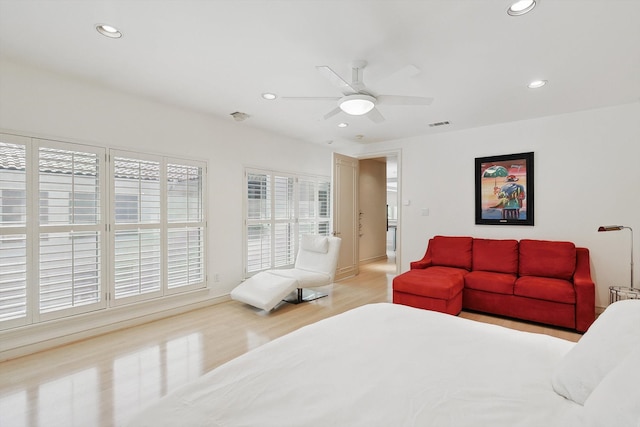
608	341
616	401
313	243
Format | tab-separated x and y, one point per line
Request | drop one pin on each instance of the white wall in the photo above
41	103
587	173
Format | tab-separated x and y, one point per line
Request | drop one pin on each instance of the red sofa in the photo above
536	280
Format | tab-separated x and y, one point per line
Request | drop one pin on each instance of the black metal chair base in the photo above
304	295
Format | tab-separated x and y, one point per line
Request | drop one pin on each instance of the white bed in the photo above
390	365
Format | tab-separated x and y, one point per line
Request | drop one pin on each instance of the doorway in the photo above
378	209
366	209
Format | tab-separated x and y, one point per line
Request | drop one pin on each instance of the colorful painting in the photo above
504	189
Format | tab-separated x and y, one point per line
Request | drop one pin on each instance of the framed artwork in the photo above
504	189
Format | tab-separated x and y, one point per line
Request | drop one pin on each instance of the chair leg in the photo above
305	295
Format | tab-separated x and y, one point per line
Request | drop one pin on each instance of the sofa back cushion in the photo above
500	256
451	251
547	259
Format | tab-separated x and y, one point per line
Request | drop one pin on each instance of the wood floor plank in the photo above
104	380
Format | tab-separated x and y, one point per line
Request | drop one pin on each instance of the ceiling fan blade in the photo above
310	98
403	100
332	113
337	81
375	116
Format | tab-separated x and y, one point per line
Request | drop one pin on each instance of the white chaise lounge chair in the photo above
315	266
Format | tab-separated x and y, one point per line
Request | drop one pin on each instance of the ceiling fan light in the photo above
357	105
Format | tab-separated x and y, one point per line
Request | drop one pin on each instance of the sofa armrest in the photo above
426	260
423	263
585	291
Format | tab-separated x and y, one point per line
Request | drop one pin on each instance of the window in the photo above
279	209
65	246
70	229
13	231
186	225
137	223
158	241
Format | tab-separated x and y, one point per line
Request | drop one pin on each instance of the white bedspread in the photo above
381	365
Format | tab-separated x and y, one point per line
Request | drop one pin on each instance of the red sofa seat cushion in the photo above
545	288
500	256
547	259
499	283
434	282
452	251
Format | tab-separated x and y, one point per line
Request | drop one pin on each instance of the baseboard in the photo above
31	339
373	259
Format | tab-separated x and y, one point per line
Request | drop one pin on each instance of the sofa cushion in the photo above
452	251
547	259
500	256
434	282
545	288
488	281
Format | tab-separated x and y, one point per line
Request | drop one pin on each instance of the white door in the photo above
345	212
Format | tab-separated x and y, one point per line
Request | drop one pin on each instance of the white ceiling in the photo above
218	56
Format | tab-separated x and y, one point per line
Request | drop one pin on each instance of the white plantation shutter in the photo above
58	244
159	238
313	204
279	209
13	232
137	258
137	240
324	207
185	258
185	226
284	224
70	244
70	267
258	221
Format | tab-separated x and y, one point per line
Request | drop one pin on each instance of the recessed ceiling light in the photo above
536	84
343	125
108	31
521	7
269	96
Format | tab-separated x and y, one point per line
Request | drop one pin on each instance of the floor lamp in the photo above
620	292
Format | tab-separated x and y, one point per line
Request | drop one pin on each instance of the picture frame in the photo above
505	189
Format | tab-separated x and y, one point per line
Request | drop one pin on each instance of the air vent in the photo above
432	125
239	116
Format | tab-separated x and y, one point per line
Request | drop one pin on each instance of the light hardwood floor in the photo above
104	380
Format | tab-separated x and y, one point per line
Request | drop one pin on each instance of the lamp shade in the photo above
610	227
357	105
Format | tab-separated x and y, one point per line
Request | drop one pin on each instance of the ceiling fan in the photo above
357	99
